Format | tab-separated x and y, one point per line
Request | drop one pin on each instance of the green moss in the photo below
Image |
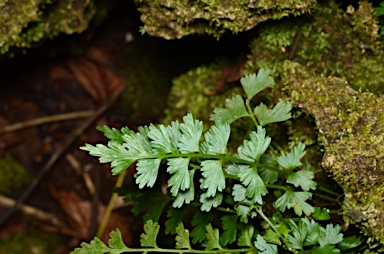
351	128
172	19
25	22
34	242
332	43
190	91
13	176
338	54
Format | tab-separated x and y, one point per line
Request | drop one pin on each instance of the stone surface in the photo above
174	19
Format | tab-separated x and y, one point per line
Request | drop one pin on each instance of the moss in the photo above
338	55
24	23
34	242
13	176
332	43
172	19
190	91
351	127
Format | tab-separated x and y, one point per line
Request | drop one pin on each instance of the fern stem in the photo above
111	204
329	191
250	112
259	210
328	198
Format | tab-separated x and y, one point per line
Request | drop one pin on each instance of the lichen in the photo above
351	129
24	23
13	176
172	19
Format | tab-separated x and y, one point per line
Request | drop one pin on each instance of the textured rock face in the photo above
26	22
351	127
173	19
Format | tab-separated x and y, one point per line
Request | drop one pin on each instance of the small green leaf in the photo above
182	238
115	241
139	198
242	211
138	143
96	246
232	170
200	222
174	217
282	228
229	225
281	112
235	109
148	238
313	232
147	170
238	193
216	139
264	247
330	235
292	160
321	214
161	139
212	236
253	84
306	233
379	10
255	185
295	200
156	206
113	134
302	178
191	131
272	237
208	202
246	235
185	197
213	177
180	179
120	157
268	176
349	243
252	149
326	249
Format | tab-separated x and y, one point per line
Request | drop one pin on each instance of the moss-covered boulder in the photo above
351	128
25	23
330	41
173	19
336	53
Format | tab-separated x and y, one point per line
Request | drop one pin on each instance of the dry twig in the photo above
67	142
47	119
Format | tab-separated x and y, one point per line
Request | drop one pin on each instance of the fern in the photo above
236	183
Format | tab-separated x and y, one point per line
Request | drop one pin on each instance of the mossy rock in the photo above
173	19
351	129
13	176
191	94
25	23
331	42
339	53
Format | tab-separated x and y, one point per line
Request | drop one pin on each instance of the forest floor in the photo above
74	188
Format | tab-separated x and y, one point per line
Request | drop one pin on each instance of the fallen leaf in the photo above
78	213
95	72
